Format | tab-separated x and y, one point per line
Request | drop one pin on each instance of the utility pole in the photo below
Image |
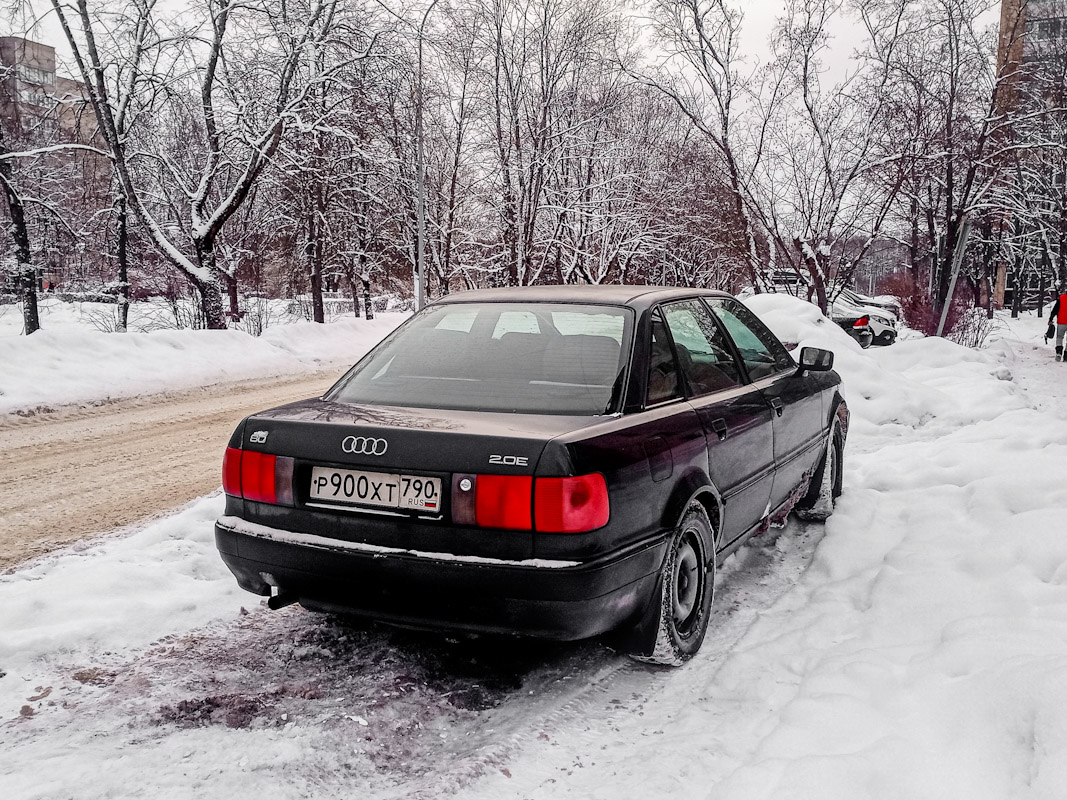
957	262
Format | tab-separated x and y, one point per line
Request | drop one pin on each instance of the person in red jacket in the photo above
1059	316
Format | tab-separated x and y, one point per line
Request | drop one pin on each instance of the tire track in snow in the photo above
605	710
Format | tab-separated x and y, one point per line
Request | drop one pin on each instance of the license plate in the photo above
377	489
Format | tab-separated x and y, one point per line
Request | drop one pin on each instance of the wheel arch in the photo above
839	411
696	486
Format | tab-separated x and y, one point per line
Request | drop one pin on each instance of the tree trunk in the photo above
366	297
818	285
122	235
913	245
945	275
231	294
210	293
1018	278
314	256
211	305
350	275
27	280
25	275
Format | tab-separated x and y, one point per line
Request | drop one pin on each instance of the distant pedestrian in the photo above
1058	316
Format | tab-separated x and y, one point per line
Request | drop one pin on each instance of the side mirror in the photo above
816	359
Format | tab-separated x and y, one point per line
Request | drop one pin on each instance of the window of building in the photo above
35	75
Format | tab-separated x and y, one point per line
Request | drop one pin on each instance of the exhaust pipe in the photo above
281	600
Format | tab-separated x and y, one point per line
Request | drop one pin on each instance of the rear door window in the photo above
704	353
664	378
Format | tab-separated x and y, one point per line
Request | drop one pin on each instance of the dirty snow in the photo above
913	647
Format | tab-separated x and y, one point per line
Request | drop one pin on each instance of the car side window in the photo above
663	381
703	350
760	349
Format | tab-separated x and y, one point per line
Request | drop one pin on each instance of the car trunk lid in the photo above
430	440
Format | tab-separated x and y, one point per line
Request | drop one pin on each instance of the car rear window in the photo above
534	358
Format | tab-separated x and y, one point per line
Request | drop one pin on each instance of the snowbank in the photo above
114	596
69	364
894	389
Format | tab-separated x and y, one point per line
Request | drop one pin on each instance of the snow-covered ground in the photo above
913	647
73	360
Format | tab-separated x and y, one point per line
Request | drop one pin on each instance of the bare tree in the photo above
812	186
244	65
49	184
1035	195
702	73
954	99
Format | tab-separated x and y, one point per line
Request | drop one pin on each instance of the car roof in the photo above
605	294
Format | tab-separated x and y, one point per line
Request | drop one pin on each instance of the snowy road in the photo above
913	647
71	474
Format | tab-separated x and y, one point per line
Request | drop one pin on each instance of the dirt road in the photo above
67	476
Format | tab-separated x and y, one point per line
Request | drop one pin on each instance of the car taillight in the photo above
231	471
518	502
503	501
571	505
259	477
861	322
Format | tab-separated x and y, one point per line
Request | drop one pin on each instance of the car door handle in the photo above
719	426
776	404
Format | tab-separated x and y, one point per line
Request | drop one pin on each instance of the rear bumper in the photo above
862	335
548	599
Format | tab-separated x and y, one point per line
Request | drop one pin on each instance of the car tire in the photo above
825	487
677	619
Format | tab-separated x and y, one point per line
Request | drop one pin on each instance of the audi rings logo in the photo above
364	445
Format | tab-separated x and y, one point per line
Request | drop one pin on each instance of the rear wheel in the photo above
818	503
677	620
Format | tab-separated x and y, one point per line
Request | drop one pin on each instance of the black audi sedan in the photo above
557	461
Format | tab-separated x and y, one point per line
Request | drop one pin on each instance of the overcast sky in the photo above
759	18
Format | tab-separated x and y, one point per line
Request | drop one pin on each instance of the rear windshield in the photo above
535	358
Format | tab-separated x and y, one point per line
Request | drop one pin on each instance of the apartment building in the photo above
1032	63
40	107
1044	30
33	93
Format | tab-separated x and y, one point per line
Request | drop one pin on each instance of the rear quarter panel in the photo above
626	451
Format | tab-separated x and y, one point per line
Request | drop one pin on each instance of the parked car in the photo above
867	325
882	317
885	303
559	462
855	323
788	281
